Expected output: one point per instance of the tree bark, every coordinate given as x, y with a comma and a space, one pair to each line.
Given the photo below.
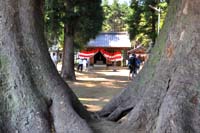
68, 72
33, 97
164, 97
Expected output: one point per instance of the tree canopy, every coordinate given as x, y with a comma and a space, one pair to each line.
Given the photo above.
143, 20
74, 23
54, 14
115, 16
138, 19
85, 16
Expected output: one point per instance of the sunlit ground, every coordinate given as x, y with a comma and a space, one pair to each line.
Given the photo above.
96, 87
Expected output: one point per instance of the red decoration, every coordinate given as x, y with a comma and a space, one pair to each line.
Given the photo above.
116, 56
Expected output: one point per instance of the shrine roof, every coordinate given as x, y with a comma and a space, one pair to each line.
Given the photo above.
111, 39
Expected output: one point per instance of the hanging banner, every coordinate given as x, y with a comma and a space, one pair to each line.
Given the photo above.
87, 54
116, 56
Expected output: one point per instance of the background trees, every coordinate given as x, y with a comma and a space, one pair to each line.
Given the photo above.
81, 25
115, 16
54, 12
143, 20
137, 18
81, 21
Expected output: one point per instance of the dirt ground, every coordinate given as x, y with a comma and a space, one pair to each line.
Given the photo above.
97, 86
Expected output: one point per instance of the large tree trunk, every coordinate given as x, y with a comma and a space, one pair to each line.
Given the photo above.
164, 97
68, 72
33, 97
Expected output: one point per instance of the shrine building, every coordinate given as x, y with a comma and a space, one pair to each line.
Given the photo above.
107, 48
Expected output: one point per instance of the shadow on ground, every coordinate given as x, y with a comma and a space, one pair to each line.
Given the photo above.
97, 86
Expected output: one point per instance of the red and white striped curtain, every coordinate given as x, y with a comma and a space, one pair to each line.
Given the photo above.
87, 54
116, 56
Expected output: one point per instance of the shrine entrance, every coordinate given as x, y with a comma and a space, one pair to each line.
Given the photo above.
99, 59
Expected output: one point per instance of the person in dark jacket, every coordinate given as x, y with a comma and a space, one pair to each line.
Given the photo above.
132, 66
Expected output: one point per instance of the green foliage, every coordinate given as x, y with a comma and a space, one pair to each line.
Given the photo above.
143, 20
54, 13
115, 16
83, 18
89, 22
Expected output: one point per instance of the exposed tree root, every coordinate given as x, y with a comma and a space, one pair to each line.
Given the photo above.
166, 100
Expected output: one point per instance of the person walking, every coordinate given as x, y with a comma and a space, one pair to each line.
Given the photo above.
132, 66
84, 64
80, 65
